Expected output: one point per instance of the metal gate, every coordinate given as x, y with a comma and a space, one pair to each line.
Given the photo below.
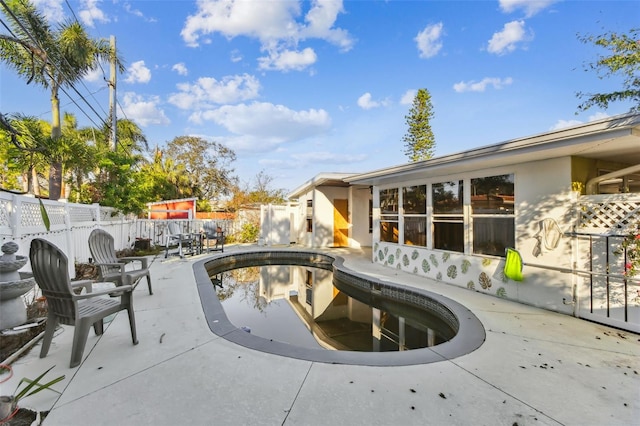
605, 294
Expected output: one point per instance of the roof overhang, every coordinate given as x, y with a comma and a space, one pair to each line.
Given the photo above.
322, 179
615, 139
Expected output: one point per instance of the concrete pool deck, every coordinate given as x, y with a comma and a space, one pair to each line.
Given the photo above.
535, 367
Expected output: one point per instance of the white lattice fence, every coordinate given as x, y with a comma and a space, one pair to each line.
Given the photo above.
604, 214
21, 220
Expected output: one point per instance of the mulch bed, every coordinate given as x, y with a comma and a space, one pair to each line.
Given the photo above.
25, 417
12, 341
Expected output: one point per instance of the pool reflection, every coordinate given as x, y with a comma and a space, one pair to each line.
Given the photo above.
300, 305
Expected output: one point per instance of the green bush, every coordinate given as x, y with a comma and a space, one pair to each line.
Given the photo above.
249, 233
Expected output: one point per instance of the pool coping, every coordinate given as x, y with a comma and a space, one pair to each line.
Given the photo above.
470, 336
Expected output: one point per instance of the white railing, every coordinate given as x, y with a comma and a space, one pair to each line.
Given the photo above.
70, 225
21, 221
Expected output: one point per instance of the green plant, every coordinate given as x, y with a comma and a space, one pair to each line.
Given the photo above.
9, 403
249, 233
31, 384
631, 247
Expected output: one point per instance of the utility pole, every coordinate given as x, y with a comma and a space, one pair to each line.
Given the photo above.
112, 95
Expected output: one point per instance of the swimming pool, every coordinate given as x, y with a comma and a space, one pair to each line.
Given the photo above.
469, 332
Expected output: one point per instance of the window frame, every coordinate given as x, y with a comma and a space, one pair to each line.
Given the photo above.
389, 219
449, 216
499, 214
421, 213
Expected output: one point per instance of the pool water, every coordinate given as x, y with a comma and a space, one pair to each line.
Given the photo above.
301, 306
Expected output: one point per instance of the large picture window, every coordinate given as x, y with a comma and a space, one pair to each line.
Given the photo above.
414, 206
389, 215
492, 214
448, 216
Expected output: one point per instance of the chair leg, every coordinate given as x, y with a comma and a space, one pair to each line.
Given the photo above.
80, 336
98, 327
149, 283
52, 322
132, 324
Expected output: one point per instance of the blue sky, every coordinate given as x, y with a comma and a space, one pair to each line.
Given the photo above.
300, 88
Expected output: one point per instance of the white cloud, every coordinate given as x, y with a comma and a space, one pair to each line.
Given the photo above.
326, 157
598, 116
428, 40
180, 68
138, 73
136, 12
288, 60
408, 97
236, 56
95, 75
366, 102
321, 18
275, 23
480, 86
261, 121
90, 13
562, 124
207, 91
53, 9
530, 7
144, 111
505, 41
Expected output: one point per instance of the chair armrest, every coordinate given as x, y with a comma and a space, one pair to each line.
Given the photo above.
121, 267
87, 284
115, 265
141, 259
108, 292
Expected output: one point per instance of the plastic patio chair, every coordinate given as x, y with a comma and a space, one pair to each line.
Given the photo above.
184, 241
214, 236
112, 268
50, 270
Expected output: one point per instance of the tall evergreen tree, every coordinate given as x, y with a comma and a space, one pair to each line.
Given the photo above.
419, 141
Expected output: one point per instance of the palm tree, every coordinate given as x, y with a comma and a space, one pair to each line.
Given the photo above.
54, 58
27, 156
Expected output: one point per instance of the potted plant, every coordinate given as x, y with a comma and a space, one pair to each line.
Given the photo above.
9, 403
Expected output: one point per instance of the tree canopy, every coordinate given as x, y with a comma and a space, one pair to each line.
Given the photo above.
206, 163
623, 59
53, 57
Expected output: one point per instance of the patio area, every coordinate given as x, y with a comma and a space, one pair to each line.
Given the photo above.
535, 367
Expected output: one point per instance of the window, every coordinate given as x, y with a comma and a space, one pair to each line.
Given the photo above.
492, 214
389, 215
448, 217
309, 215
414, 204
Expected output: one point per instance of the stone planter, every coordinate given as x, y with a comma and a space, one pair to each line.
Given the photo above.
13, 284
8, 407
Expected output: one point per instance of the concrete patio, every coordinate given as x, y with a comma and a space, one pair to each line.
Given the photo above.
535, 367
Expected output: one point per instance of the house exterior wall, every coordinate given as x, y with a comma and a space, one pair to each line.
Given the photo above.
360, 233
542, 191
322, 199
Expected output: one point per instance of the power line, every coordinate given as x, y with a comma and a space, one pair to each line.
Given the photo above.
98, 62
46, 62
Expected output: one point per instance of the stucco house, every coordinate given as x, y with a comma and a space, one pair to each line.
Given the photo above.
563, 200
